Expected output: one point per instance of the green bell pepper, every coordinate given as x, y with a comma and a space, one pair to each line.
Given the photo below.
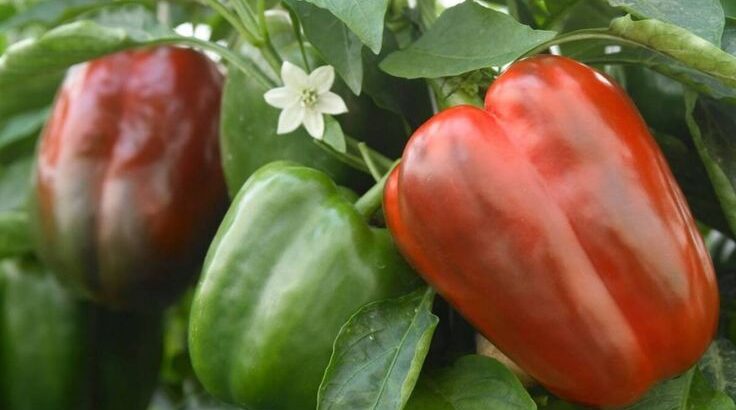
291, 262
61, 354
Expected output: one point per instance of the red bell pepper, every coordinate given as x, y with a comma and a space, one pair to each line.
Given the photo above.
129, 187
552, 222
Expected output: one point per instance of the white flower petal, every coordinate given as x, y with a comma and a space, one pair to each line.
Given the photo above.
322, 78
281, 97
314, 123
294, 77
330, 103
290, 119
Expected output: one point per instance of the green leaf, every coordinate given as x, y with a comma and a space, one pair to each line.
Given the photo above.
693, 179
364, 18
729, 7
702, 17
409, 99
15, 180
334, 136
466, 37
53, 12
30, 70
22, 126
15, 238
712, 125
378, 354
689, 391
248, 138
680, 44
719, 366
472, 382
728, 41
569, 15
663, 47
339, 46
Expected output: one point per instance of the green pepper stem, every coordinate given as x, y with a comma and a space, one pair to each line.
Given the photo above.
371, 201
377, 158
348, 159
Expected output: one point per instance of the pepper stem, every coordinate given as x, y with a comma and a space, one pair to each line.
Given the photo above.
371, 201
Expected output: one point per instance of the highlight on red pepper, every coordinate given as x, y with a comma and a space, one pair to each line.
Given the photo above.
128, 187
552, 222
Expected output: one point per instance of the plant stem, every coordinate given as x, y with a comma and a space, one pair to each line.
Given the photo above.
585, 34
369, 161
232, 19
298, 33
163, 12
234, 58
348, 159
272, 56
378, 158
371, 201
258, 22
248, 18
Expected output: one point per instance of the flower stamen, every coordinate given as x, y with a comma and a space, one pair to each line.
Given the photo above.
309, 97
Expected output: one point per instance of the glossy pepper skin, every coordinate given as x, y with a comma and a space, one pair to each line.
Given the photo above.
62, 354
291, 262
128, 185
551, 221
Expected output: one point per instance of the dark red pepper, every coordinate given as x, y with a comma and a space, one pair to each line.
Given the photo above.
553, 223
129, 188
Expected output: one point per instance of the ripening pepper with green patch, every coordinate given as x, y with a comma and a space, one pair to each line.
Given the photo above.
128, 184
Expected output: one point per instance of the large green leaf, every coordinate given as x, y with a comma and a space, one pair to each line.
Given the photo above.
22, 126
471, 383
729, 7
719, 366
378, 354
693, 179
702, 17
53, 12
680, 44
689, 391
663, 47
728, 41
712, 125
569, 15
31, 69
15, 238
248, 138
14, 183
339, 46
466, 37
364, 18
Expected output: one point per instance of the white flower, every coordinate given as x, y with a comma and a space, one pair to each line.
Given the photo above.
304, 98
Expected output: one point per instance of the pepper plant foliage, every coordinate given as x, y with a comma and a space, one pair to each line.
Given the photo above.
396, 62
